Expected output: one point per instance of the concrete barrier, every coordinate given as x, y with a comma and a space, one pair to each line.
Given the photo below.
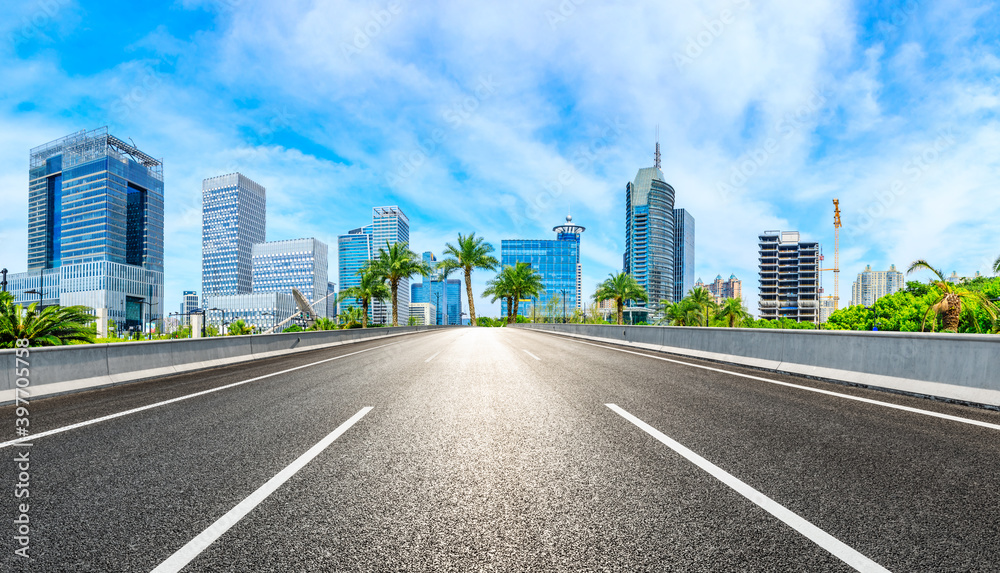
960, 367
61, 369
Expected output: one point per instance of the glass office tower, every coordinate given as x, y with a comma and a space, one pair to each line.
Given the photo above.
446, 296
558, 263
95, 228
233, 220
390, 225
649, 234
683, 253
280, 266
354, 250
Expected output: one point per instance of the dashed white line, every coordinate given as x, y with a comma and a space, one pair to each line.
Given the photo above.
185, 554
180, 398
532, 355
807, 388
432, 356
837, 548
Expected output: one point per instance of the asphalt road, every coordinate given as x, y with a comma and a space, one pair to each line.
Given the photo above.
483, 449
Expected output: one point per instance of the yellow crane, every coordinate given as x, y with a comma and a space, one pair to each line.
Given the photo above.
836, 255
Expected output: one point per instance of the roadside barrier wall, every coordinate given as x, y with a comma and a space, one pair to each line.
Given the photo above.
61, 369
964, 367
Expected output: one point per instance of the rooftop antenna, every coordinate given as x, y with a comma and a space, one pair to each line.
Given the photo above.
656, 158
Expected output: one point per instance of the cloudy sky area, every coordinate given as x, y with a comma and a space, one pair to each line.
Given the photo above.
499, 117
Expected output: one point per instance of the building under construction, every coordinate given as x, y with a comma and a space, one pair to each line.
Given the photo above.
789, 277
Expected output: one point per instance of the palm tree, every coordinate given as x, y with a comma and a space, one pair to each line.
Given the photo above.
52, 326
525, 282
620, 288
471, 253
239, 327
351, 315
952, 298
323, 323
733, 311
501, 286
996, 266
702, 301
394, 263
370, 287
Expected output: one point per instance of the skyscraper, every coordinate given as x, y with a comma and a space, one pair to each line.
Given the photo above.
390, 226
557, 262
683, 253
649, 233
873, 285
189, 302
95, 228
354, 250
789, 277
280, 266
446, 296
233, 220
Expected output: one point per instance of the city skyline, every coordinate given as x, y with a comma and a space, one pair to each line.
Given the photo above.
756, 141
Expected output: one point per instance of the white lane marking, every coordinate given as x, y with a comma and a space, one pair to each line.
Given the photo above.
178, 399
817, 390
432, 356
185, 554
533, 356
837, 548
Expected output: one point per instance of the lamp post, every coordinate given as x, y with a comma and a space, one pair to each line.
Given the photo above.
4, 282
563, 291
150, 304
437, 305
273, 318
222, 327
39, 293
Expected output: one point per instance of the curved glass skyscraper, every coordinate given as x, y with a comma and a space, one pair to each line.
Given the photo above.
649, 234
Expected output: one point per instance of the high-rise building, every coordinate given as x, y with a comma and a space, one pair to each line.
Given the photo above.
873, 285
189, 302
354, 250
789, 277
95, 228
683, 253
557, 262
423, 312
659, 240
233, 220
280, 266
331, 300
259, 310
389, 226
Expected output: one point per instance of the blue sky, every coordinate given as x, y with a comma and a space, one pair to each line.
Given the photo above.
498, 118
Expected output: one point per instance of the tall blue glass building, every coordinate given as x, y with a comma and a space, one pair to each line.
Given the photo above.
558, 263
445, 295
649, 234
683, 253
354, 250
233, 220
95, 228
389, 226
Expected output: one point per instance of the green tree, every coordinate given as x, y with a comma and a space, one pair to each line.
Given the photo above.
470, 252
500, 287
394, 263
352, 317
370, 287
526, 283
703, 302
620, 287
323, 323
51, 326
952, 299
733, 312
238, 327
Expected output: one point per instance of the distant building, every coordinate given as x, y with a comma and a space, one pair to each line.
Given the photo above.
558, 264
424, 312
789, 277
233, 220
721, 290
445, 295
331, 300
354, 250
189, 302
825, 309
95, 229
873, 285
280, 266
258, 310
389, 226
683, 253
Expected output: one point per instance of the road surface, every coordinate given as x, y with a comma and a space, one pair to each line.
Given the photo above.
485, 449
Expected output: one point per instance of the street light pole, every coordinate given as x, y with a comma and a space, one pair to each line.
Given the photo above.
39, 293
563, 291
437, 305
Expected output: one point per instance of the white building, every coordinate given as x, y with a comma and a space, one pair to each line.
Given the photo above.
873, 285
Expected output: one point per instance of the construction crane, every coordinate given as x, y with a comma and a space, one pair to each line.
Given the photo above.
836, 255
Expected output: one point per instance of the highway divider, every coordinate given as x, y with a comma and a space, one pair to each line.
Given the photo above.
959, 367
62, 369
